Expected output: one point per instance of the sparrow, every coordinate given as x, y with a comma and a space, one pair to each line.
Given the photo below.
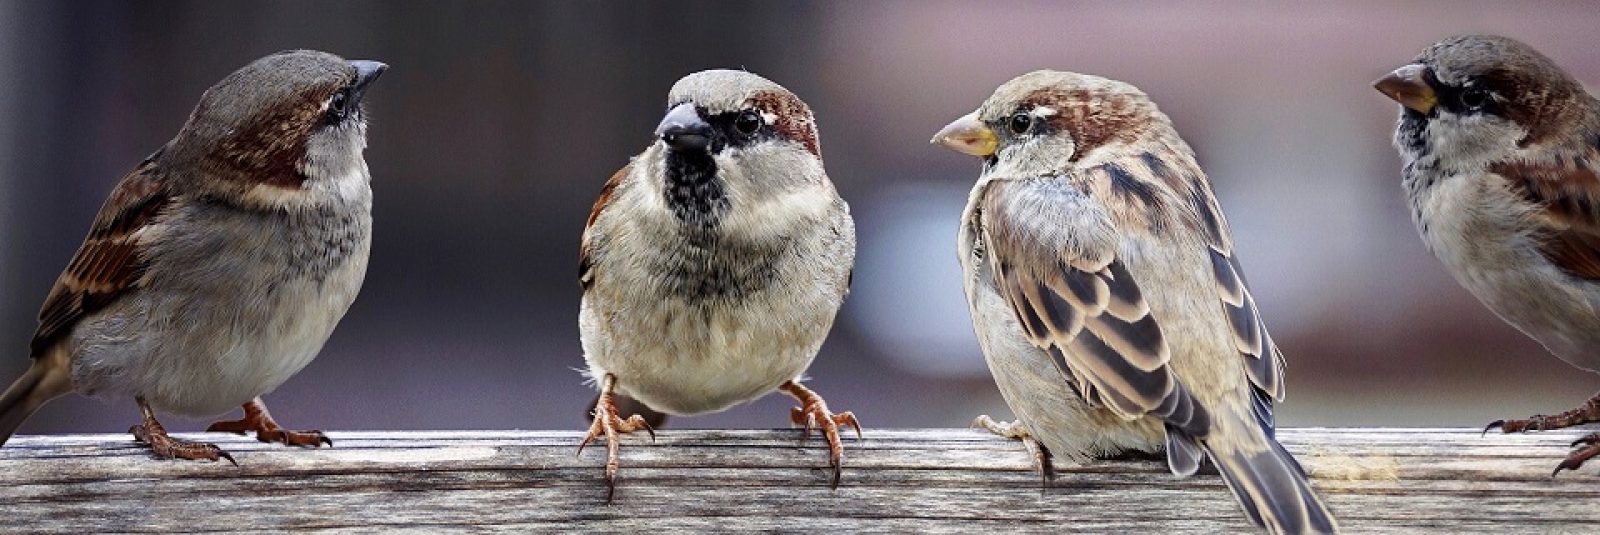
713, 263
218, 267
1107, 298
1501, 168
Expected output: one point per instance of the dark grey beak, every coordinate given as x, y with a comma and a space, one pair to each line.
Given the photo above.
366, 72
683, 129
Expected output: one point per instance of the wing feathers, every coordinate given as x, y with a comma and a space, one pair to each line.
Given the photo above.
585, 273
1125, 303
1263, 361
1090, 316
1569, 190
1139, 342
110, 262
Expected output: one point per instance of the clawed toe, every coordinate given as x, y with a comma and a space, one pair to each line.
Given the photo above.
1589, 412
1016, 431
818, 417
166, 447
1538, 422
258, 420
610, 426
813, 414
312, 439
1587, 448
153, 435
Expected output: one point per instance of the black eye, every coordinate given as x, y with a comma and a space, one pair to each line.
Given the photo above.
747, 123
1020, 123
1474, 98
337, 107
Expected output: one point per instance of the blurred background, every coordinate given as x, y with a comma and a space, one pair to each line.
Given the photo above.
498, 123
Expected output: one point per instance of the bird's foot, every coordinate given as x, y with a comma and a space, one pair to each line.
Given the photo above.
257, 419
164, 446
1584, 449
152, 434
1588, 413
1015, 430
609, 425
813, 413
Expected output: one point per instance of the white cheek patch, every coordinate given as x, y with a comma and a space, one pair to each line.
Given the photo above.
1465, 142
349, 185
271, 196
1036, 156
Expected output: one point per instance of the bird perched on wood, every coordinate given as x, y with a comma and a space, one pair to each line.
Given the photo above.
220, 265
1107, 296
1501, 153
713, 264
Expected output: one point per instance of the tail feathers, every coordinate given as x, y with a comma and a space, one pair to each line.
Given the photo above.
1183, 453
50, 377
1273, 490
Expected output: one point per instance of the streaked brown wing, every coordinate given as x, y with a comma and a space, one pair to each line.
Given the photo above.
585, 278
1263, 361
1087, 311
1568, 187
110, 261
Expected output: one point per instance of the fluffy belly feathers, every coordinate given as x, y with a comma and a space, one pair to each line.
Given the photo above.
687, 359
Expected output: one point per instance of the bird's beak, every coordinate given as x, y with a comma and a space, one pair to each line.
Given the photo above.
366, 72
1408, 85
968, 135
683, 129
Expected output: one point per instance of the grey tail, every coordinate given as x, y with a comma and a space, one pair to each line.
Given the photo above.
48, 378
1273, 489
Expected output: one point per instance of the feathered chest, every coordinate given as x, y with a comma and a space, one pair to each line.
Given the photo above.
1472, 222
701, 264
213, 245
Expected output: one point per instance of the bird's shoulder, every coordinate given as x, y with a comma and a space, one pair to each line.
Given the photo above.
586, 247
1563, 186
111, 261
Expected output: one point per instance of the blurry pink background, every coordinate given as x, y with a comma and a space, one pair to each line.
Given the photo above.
498, 123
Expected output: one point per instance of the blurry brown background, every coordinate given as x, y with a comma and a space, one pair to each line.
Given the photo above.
498, 123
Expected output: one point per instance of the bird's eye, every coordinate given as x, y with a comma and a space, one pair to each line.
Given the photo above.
747, 123
336, 106
1474, 98
1020, 123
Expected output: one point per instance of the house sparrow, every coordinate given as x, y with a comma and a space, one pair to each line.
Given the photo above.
1502, 170
220, 265
713, 263
1106, 296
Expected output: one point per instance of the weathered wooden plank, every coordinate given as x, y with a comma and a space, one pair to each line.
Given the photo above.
940, 480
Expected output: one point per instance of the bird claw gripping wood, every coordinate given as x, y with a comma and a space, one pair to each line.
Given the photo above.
1585, 448
257, 419
1588, 413
812, 414
153, 435
609, 425
1016, 431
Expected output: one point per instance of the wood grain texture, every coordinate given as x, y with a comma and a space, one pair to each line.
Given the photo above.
938, 480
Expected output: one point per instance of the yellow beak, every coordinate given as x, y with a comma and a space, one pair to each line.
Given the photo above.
1409, 86
968, 135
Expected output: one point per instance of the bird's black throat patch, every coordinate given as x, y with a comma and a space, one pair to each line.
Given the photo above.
1411, 133
693, 190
